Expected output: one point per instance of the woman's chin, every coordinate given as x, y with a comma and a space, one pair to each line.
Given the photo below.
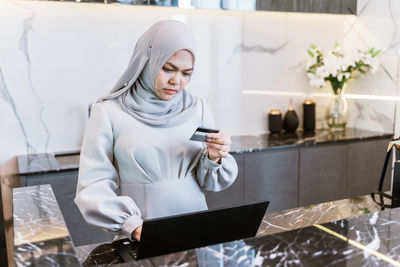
167, 97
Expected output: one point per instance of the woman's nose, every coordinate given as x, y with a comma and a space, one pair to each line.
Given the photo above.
175, 79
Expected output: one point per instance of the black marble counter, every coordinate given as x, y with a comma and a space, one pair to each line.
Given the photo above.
49, 162
360, 235
260, 142
366, 240
277, 241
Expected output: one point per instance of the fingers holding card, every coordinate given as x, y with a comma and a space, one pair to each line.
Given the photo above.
218, 143
200, 134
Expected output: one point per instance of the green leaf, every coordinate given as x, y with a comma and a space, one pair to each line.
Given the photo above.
376, 53
370, 51
311, 71
313, 46
336, 44
310, 53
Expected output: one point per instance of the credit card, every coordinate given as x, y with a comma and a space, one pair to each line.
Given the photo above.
200, 134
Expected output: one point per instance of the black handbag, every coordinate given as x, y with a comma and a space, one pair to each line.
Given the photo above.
382, 195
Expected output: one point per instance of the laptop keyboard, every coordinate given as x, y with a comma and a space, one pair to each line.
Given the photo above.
132, 252
126, 249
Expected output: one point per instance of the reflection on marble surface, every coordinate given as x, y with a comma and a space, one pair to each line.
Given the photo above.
47, 162
36, 163
40, 234
291, 219
249, 143
366, 240
41, 237
243, 253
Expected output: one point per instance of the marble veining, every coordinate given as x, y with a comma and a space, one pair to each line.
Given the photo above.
24, 47
251, 143
395, 36
360, 234
291, 219
47, 162
38, 163
393, 43
366, 240
38, 216
251, 252
242, 48
23, 41
361, 11
9, 99
40, 234
359, 14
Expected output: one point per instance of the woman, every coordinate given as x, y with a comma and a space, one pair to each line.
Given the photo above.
137, 161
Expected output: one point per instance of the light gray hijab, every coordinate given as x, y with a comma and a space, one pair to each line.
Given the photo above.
135, 89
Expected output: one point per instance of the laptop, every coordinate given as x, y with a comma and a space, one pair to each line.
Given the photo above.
192, 230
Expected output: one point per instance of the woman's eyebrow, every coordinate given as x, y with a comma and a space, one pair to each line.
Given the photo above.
176, 68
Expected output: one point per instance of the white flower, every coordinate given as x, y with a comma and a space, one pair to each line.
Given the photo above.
322, 72
337, 50
374, 65
335, 67
332, 64
347, 62
316, 80
367, 59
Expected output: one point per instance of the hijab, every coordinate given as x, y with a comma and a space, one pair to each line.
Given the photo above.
135, 89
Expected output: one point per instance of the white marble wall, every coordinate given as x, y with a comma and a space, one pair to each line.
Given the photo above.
57, 57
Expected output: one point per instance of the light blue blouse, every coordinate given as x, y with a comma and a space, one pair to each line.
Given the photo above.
130, 171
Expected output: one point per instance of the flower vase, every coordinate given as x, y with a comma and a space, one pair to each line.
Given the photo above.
337, 111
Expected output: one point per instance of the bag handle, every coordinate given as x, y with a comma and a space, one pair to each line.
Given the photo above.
380, 193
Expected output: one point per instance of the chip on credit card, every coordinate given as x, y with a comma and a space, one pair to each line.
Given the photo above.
200, 134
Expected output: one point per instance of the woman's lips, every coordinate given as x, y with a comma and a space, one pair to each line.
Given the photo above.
170, 91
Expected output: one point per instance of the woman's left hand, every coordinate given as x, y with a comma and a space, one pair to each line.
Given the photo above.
219, 145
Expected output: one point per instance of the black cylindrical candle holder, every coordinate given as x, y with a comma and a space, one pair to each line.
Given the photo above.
309, 115
275, 121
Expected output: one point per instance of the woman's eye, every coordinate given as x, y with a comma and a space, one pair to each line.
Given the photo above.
186, 74
167, 70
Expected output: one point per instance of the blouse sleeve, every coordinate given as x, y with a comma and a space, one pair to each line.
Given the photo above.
98, 181
211, 175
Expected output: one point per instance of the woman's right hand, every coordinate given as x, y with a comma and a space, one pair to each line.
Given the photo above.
137, 233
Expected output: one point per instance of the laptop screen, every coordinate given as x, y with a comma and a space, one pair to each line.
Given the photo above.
192, 230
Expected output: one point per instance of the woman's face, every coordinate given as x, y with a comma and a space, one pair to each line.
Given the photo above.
174, 75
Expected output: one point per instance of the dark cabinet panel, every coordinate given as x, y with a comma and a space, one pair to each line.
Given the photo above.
272, 176
64, 188
289, 178
322, 174
233, 195
364, 166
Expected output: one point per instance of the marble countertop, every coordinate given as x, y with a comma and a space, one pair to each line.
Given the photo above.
274, 226
49, 162
40, 234
260, 142
348, 232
